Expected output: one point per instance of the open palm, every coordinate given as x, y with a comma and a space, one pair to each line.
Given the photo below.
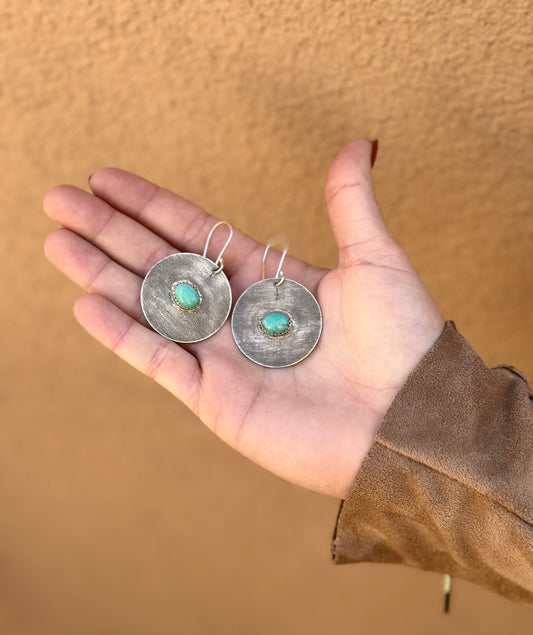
311, 423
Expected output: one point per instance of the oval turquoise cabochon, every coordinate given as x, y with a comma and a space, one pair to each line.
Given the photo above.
276, 323
186, 296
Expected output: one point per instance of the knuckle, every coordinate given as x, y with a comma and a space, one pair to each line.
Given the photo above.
332, 192
156, 361
375, 253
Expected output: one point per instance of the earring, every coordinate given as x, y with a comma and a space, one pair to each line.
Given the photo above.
186, 297
276, 322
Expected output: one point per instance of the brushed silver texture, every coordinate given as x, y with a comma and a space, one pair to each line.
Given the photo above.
264, 297
164, 314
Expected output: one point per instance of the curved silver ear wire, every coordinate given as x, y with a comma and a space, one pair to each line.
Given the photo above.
280, 278
218, 262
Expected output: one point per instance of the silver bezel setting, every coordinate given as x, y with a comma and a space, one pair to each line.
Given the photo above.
271, 334
173, 297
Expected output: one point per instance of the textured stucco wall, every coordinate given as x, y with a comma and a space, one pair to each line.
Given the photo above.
119, 512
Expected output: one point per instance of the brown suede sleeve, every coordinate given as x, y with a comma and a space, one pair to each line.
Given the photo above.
448, 484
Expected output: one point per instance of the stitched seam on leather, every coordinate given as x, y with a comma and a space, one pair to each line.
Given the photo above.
453, 478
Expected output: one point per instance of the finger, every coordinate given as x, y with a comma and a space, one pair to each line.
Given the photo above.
167, 363
94, 271
186, 225
354, 213
176, 219
121, 237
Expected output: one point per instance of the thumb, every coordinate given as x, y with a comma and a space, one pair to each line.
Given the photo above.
353, 210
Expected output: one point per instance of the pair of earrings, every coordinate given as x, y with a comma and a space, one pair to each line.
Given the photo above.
186, 298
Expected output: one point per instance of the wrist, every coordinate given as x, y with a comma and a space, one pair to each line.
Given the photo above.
378, 403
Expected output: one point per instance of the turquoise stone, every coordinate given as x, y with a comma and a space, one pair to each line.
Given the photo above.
276, 323
186, 296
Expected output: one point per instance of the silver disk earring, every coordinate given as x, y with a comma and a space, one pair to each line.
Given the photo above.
276, 322
186, 297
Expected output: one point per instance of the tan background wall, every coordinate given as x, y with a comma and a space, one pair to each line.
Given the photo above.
119, 513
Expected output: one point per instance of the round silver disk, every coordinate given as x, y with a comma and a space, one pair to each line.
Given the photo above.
166, 316
276, 351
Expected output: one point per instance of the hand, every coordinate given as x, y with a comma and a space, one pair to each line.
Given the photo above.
312, 423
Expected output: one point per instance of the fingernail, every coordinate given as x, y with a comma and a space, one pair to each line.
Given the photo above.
90, 177
374, 152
